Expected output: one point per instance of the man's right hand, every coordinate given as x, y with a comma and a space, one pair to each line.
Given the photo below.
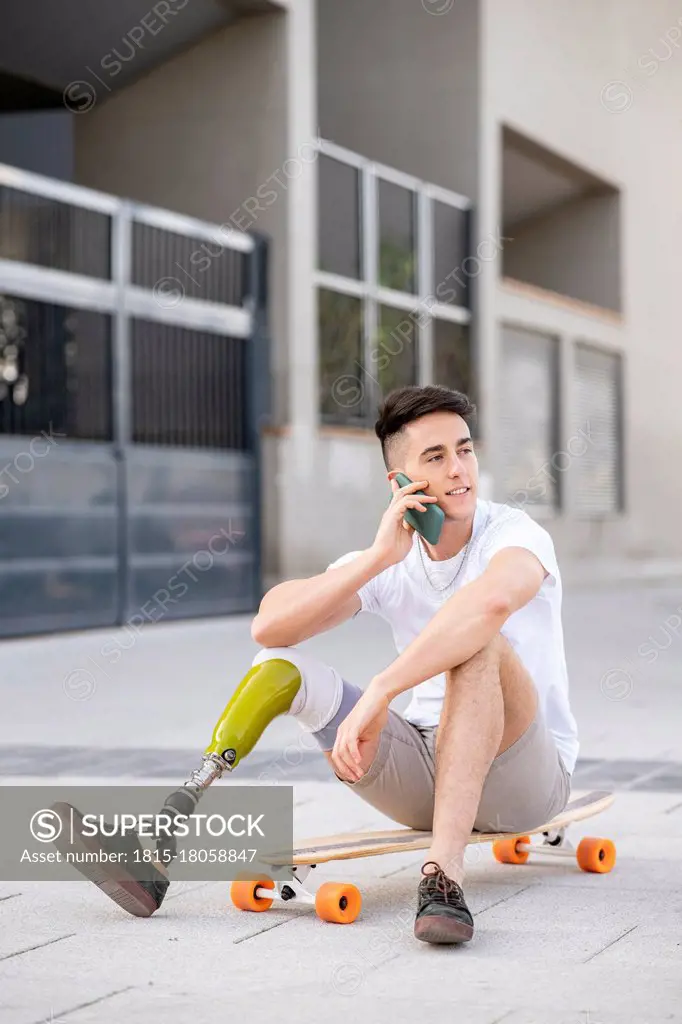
394, 536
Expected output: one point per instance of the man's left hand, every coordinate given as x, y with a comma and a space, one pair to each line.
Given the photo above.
358, 734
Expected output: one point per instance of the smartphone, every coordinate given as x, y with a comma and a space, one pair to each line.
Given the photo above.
429, 523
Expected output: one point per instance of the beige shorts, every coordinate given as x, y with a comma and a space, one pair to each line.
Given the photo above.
525, 787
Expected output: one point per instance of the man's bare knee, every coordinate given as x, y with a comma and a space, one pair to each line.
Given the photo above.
496, 664
491, 653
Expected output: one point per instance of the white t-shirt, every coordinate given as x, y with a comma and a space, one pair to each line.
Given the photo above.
404, 598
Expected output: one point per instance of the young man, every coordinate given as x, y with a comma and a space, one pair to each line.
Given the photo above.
488, 740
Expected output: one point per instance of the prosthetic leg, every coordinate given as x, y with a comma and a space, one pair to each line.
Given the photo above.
267, 690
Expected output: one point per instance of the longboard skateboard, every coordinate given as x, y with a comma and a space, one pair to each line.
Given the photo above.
341, 902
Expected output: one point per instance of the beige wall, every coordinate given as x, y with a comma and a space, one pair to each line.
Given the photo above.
573, 250
549, 72
400, 85
337, 497
199, 135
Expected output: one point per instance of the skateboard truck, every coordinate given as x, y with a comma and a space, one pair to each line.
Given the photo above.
286, 891
554, 843
334, 901
555, 837
592, 854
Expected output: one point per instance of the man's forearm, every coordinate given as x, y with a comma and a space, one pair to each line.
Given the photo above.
462, 627
295, 608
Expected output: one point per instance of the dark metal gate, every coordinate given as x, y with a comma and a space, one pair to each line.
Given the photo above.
133, 381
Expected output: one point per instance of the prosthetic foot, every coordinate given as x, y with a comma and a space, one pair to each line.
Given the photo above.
114, 863
266, 691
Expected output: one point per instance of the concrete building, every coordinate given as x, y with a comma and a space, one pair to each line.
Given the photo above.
482, 194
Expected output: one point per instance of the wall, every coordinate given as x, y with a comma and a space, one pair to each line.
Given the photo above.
199, 135
599, 84
400, 85
573, 250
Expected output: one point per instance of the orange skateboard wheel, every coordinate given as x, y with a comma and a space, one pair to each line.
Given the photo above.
596, 854
338, 902
506, 851
243, 894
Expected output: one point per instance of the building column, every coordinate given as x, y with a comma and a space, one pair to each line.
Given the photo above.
296, 477
302, 236
488, 226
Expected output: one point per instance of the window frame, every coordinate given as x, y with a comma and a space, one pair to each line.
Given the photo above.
367, 288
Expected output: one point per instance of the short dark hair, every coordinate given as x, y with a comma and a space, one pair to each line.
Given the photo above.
403, 405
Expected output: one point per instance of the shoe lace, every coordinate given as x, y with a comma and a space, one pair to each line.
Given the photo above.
439, 886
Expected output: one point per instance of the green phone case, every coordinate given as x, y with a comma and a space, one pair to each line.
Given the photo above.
429, 523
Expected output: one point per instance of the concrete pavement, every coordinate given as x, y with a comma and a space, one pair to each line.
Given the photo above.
551, 943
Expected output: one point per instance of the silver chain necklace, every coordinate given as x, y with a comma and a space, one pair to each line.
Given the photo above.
455, 577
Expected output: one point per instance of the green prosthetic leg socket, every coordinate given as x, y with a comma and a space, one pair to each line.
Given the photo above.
267, 690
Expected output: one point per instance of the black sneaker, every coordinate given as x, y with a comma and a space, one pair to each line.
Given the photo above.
137, 886
442, 914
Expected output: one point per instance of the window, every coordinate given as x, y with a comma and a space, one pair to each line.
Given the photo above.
386, 244
342, 389
339, 218
397, 238
395, 354
452, 356
529, 418
598, 417
450, 249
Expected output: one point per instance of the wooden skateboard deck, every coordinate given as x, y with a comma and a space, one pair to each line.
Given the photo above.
349, 845
342, 902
